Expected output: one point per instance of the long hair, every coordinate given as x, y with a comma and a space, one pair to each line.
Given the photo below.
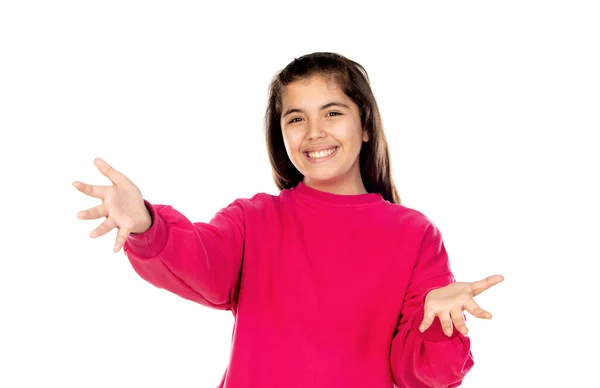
375, 168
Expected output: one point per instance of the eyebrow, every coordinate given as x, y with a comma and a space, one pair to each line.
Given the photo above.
328, 105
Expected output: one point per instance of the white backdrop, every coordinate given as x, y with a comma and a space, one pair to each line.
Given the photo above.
490, 109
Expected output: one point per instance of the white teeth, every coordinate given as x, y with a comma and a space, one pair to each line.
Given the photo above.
321, 154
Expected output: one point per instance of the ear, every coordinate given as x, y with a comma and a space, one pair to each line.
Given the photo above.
365, 136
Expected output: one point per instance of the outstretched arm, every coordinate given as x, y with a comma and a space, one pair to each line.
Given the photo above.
430, 348
197, 261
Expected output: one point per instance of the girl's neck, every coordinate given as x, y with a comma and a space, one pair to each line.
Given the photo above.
337, 196
337, 186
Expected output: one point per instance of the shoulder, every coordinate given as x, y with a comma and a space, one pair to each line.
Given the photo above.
258, 202
411, 226
407, 216
244, 209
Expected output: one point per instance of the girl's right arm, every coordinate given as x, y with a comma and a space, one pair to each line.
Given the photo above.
195, 260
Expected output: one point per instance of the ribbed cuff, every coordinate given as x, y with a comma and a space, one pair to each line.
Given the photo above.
150, 243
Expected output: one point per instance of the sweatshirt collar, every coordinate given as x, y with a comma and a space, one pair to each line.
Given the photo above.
337, 199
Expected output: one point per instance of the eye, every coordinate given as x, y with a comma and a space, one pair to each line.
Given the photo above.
336, 113
292, 120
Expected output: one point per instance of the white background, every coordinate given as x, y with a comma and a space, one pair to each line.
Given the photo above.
490, 109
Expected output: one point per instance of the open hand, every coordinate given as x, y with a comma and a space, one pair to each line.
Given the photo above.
122, 205
448, 304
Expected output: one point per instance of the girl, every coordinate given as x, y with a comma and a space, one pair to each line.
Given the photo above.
332, 282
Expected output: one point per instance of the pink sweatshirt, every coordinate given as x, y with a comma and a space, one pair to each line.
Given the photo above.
326, 290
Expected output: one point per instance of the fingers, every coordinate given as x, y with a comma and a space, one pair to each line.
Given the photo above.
428, 318
121, 238
446, 322
115, 176
473, 308
458, 320
482, 285
93, 213
104, 228
92, 191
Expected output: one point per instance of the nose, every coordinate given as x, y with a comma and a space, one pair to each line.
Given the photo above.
315, 130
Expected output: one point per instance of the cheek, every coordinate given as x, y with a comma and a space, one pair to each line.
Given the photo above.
348, 134
292, 142
292, 138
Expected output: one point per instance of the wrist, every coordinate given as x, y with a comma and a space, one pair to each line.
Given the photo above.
145, 224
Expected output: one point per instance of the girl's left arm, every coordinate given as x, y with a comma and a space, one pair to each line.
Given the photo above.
428, 359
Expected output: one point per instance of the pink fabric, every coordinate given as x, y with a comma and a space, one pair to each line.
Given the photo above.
326, 290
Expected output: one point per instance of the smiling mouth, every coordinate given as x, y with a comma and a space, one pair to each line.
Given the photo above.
322, 154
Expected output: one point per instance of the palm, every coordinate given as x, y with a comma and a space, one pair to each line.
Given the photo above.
448, 304
459, 292
122, 205
120, 199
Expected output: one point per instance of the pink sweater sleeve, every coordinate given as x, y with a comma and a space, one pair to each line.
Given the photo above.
429, 359
197, 261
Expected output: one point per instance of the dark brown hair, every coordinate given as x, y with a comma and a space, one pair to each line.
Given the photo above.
352, 78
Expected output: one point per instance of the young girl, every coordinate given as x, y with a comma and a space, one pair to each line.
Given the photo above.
332, 282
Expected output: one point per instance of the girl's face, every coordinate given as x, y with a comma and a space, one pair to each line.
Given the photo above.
323, 135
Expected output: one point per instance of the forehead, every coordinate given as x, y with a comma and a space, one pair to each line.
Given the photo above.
312, 91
